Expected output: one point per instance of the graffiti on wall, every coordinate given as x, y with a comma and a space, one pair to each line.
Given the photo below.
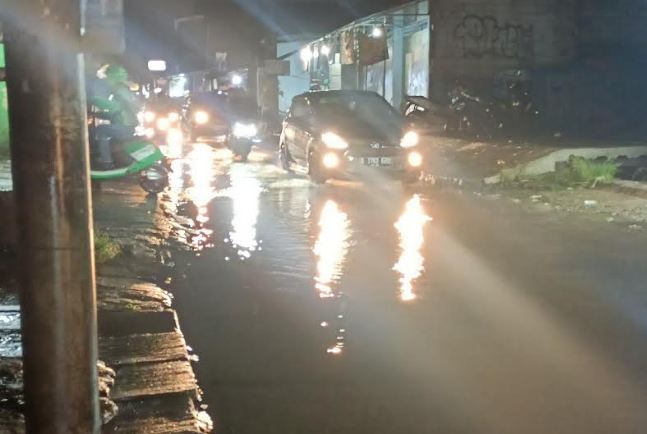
482, 36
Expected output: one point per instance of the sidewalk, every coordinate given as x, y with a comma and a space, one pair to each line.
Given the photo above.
480, 167
148, 381
484, 162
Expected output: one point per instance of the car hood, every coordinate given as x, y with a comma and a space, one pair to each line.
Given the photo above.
360, 131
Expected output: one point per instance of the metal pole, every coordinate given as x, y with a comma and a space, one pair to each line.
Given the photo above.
49, 153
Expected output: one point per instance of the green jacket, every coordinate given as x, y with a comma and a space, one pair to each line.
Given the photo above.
121, 107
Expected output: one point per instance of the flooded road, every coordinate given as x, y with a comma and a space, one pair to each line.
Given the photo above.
355, 308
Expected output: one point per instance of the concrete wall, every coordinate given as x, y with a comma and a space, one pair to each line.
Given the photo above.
298, 81
474, 40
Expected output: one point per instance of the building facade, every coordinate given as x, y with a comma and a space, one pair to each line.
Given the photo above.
580, 61
388, 53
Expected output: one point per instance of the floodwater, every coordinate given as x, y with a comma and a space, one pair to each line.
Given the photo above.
366, 307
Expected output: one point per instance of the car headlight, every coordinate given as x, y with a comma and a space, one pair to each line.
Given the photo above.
149, 116
163, 124
173, 117
244, 131
333, 141
415, 159
330, 160
410, 140
201, 117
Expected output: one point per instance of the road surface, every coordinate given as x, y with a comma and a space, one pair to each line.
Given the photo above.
356, 308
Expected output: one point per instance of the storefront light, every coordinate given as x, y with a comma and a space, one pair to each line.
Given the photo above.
306, 55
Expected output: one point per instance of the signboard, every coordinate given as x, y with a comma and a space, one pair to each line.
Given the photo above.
104, 29
157, 65
372, 50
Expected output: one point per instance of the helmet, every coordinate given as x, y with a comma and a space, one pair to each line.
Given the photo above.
116, 74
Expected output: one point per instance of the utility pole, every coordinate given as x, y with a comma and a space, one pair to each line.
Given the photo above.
49, 150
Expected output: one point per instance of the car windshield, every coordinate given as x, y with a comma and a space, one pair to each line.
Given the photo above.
242, 107
210, 100
367, 108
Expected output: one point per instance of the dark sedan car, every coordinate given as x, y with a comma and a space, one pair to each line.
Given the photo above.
207, 117
348, 133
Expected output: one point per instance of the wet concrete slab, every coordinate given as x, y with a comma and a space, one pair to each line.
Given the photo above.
125, 323
144, 348
155, 387
170, 414
120, 294
141, 380
148, 371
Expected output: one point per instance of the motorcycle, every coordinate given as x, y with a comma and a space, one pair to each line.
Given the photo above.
135, 156
242, 139
146, 160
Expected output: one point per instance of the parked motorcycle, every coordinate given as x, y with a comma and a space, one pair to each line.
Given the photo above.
469, 115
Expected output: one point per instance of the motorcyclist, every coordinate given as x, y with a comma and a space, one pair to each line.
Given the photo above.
117, 104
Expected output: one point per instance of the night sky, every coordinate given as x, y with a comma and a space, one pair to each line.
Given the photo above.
242, 23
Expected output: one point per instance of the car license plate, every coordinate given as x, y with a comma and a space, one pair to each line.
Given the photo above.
378, 161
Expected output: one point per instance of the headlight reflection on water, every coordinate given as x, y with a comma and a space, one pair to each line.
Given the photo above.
411, 227
331, 248
201, 161
245, 193
202, 191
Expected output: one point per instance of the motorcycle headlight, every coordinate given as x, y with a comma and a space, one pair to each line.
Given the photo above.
333, 141
244, 131
410, 140
201, 117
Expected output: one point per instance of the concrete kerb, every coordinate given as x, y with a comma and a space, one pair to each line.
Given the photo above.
631, 188
547, 163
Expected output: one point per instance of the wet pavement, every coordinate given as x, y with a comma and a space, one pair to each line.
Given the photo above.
355, 308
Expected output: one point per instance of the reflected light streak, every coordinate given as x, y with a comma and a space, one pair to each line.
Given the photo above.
245, 193
202, 191
174, 143
331, 248
201, 161
411, 263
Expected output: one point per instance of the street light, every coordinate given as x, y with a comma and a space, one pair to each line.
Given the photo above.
377, 32
236, 80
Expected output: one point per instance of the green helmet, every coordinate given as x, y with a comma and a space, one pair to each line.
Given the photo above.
116, 74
